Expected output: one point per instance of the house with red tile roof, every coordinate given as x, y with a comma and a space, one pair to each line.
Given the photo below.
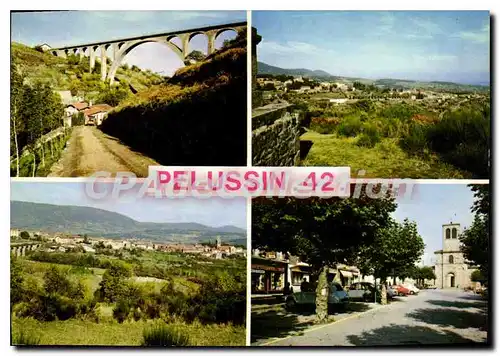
96, 113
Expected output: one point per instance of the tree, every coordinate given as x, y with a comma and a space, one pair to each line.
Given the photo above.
112, 286
16, 281
423, 273
322, 232
395, 249
475, 239
73, 59
24, 235
113, 96
16, 94
195, 56
477, 276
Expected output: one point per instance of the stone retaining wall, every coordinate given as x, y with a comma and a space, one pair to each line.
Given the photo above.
275, 136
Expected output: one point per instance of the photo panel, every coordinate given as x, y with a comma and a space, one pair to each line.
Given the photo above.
391, 94
119, 91
393, 266
129, 270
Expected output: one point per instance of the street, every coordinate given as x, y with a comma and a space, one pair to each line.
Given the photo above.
89, 150
432, 317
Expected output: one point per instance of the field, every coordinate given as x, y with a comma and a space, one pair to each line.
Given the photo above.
397, 138
117, 298
385, 159
82, 332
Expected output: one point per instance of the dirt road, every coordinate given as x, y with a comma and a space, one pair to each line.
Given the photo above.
89, 151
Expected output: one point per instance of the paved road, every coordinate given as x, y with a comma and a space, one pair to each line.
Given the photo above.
433, 317
89, 151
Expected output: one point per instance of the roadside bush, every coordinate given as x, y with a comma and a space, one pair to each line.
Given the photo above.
164, 335
368, 139
350, 126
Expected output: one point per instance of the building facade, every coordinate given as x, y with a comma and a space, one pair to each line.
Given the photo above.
451, 269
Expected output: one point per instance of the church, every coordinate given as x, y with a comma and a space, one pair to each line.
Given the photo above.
451, 269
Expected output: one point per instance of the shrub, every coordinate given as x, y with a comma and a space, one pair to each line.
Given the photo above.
324, 125
164, 335
25, 338
399, 111
415, 141
121, 310
350, 126
16, 282
367, 140
78, 119
462, 138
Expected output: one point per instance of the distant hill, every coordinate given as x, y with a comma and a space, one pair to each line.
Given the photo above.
104, 223
264, 68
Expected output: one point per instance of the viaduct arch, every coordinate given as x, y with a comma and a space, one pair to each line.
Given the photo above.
21, 249
121, 47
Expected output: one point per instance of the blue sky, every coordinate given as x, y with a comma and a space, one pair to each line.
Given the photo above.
212, 212
434, 205
78, 27
432, 45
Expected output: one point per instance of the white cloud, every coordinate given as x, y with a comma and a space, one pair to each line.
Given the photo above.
291, 47
444, 58
418, 36
480, 36
426, 26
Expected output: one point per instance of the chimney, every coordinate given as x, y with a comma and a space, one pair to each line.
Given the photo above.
90, 103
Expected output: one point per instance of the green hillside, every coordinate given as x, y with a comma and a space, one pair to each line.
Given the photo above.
197, 117
73, 74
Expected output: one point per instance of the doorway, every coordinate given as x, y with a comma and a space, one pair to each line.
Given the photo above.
452, 280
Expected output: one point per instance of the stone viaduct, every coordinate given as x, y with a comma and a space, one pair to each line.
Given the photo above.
121, 47
20, 249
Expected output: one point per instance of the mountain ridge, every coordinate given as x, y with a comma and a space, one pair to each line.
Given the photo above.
264, 68
96, 221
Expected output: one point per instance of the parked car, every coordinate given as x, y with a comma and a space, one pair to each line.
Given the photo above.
337, 297
391, 292
411, 288
402, 290
362, 291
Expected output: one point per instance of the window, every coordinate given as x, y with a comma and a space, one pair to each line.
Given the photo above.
454, 233
447, 233
450, 259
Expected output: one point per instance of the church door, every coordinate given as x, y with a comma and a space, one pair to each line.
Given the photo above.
452, 281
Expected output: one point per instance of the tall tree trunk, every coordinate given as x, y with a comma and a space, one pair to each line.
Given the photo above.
42, 143
34, 162
322, 292
383, 292
43, 155
51, 149
17, 145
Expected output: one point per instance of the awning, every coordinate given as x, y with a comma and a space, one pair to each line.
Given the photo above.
346, 274
259, 271
300, 269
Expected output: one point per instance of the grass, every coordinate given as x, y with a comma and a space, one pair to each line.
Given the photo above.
83, 332
385, 160
163, 334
